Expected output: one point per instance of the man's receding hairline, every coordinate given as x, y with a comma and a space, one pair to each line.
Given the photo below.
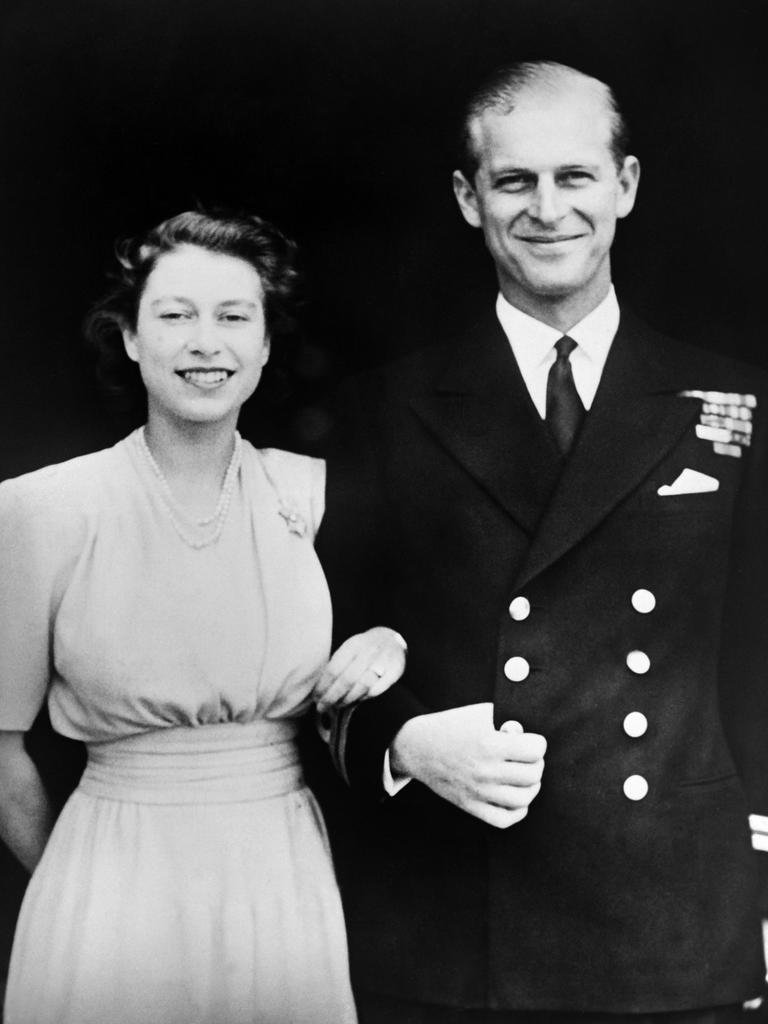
504, 90
547, 79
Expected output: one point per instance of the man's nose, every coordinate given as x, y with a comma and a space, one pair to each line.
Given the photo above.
547, 205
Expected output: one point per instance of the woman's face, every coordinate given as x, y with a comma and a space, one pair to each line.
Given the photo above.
200, 338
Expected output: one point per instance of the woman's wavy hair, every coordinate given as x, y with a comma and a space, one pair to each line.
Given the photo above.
244, 236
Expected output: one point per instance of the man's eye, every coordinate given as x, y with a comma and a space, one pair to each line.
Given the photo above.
513, 183
576, 177
235, 318
174, 315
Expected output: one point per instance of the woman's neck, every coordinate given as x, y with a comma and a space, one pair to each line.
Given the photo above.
193, 458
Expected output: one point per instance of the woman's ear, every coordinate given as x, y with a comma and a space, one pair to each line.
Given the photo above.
129, 341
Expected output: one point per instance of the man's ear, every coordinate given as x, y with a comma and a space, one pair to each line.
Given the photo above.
629, 179
466, 197
266, 350
129, 343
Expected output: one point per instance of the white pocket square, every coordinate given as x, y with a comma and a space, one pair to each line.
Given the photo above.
690, 481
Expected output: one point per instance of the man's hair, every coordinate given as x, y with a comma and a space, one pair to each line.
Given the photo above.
500, 93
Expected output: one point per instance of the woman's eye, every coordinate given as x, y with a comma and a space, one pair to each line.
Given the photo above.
174, 315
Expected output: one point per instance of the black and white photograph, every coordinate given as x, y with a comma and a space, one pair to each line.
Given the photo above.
383, 512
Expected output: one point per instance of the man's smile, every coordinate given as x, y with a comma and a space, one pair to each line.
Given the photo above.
547, 239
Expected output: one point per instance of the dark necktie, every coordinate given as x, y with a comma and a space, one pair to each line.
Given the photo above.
564, 409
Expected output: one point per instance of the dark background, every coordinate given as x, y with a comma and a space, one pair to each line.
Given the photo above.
335, 118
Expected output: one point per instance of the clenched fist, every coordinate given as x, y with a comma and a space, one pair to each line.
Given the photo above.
492, 774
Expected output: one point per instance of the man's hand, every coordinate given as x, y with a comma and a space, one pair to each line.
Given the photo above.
491, 774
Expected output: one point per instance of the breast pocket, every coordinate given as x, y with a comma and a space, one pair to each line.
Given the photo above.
711, 503
696, 487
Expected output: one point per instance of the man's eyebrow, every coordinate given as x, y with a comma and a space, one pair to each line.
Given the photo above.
502, 169
578, 166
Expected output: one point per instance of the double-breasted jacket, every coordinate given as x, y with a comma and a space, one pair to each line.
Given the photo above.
615, 602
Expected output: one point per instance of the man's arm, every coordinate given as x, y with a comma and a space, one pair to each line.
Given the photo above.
355, 547
457, 753
744, 665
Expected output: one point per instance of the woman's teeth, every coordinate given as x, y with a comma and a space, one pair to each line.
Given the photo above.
208, 377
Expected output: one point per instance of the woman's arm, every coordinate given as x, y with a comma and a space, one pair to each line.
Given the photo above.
26, 814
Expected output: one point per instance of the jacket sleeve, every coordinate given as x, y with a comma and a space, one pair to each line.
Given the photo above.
744, 638
355, 546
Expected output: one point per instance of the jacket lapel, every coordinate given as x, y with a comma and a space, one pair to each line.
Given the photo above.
480, 411
637, 417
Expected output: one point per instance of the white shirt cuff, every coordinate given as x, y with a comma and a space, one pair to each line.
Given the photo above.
391, 785
759, 825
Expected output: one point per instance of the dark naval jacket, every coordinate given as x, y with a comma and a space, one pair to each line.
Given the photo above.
615, 602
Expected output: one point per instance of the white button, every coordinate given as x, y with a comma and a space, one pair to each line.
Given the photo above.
516, 669
520, 608
643, 601
635, 787
635, 724
638, 662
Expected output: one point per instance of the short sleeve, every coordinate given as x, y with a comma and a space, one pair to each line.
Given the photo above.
317, 492
26, 586
299, 482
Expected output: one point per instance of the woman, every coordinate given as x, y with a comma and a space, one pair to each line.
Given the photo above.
165, 596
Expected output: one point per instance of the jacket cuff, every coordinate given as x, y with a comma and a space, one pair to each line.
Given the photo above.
369, 730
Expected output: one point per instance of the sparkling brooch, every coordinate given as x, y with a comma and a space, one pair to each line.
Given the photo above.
294, 520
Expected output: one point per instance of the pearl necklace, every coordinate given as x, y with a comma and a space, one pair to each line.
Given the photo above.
176, 513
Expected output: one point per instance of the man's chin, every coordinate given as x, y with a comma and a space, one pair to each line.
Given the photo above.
555, 287
565, 280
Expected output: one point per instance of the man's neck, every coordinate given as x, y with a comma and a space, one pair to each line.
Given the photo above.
562, 312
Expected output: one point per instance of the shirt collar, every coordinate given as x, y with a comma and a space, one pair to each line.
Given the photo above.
532, 341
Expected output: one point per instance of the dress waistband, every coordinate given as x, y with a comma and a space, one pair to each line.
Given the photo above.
222, 763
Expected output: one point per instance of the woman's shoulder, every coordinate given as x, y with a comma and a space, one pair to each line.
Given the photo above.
287, 464
284, 466
56, 489
298, 480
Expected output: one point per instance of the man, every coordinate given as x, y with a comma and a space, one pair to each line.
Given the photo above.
563, 512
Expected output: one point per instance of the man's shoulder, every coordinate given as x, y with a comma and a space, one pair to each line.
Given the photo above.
410, 370
445, 346
479, 340
702, 368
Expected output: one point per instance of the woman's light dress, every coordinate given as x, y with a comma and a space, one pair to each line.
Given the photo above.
188, 879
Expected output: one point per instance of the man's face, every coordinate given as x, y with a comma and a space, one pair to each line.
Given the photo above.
547, 194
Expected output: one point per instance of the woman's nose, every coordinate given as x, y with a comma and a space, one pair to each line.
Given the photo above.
205, 338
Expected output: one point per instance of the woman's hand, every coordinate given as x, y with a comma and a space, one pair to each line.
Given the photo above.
364, 666
26, 815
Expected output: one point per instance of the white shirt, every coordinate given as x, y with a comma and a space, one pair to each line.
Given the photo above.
533, 346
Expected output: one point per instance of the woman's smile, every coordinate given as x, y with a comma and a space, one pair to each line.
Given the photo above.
205, 379
201, 324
